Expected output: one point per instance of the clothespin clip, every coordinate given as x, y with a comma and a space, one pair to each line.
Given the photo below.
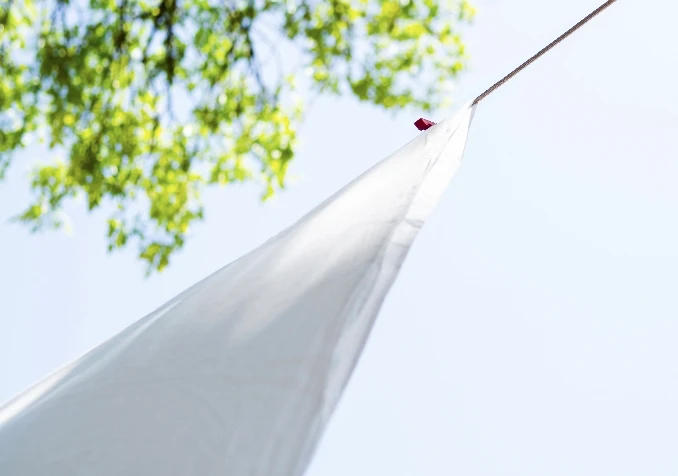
423, 124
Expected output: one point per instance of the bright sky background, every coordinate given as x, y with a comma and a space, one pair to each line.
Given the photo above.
534, 327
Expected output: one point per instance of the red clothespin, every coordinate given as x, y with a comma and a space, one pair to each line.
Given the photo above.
423, 124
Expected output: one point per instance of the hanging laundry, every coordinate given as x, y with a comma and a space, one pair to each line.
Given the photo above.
239, 374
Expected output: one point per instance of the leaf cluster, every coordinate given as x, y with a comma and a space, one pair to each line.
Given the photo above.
151, 101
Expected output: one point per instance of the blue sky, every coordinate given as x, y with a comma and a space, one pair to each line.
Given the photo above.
532, 329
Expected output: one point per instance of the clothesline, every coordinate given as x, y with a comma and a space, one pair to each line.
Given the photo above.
546, 49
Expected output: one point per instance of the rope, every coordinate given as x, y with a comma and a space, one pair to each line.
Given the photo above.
499, 83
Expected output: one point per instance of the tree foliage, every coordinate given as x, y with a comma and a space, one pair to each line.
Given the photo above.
99, 80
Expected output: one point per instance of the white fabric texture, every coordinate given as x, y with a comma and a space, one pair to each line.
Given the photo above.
239, 374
